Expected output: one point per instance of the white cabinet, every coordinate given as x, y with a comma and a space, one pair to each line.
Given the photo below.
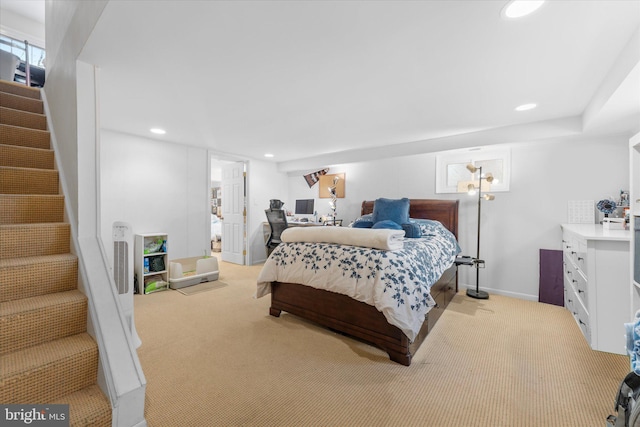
151, 262
596, 283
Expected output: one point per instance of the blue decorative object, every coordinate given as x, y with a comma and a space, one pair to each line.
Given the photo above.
606, 206
394, 210
633, 342
411, 230
362, 223
387, 223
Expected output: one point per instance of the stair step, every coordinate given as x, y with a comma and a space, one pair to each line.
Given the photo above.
15, 180
24, 137
27, 240
32, 276
23, 321
87, 407
19, 89
18, 102
45, 372
26, 157
10, 116
31, 208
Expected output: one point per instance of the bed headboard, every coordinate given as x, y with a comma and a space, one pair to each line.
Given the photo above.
445, 211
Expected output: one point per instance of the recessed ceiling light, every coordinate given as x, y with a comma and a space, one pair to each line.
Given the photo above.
269, 155
525, 107
519, 8
157, 131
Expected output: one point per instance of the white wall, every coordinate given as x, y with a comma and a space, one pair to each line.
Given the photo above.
265, 183
22, 28
544, 177
156, 187
163, 187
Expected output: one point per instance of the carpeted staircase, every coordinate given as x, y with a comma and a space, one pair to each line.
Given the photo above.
46, 354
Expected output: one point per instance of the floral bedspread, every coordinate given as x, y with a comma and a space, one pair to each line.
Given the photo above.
397, 282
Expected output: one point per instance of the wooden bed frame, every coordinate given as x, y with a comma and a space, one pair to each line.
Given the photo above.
357, 319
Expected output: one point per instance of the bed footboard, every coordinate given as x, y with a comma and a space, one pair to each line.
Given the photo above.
357, 319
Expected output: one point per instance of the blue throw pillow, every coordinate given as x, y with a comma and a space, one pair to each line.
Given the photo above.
362, 223
390, 209
412, 230
387, 224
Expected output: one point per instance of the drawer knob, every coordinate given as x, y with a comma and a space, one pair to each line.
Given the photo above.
580, 258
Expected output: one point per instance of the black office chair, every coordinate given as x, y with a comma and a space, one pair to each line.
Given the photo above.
278, 223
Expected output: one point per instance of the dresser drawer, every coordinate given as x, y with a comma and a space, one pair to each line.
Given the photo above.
575, 250
574, 278
578, 283
574, 305
582, 318
568, 264
569, 299
579, 256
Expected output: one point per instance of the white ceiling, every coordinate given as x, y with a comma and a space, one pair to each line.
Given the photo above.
348, 80
32, 9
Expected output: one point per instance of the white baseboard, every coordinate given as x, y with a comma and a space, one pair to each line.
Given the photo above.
517, 295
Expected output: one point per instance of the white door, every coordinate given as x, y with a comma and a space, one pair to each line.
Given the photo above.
233, 213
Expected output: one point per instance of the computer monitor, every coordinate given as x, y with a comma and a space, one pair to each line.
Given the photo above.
304, 207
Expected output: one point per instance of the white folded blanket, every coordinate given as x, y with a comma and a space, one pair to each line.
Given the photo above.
379, 238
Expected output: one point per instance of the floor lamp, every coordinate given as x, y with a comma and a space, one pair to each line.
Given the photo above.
477, 293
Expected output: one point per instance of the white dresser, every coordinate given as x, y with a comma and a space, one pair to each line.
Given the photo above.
596, 283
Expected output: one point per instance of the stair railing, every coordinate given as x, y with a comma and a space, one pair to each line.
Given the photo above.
27, 67
17, 44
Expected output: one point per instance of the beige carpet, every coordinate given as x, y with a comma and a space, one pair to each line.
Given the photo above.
221, 360
201, 287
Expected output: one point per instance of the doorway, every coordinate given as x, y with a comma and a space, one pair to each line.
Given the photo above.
227, 203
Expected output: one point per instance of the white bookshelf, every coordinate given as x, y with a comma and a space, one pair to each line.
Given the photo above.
151, 262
